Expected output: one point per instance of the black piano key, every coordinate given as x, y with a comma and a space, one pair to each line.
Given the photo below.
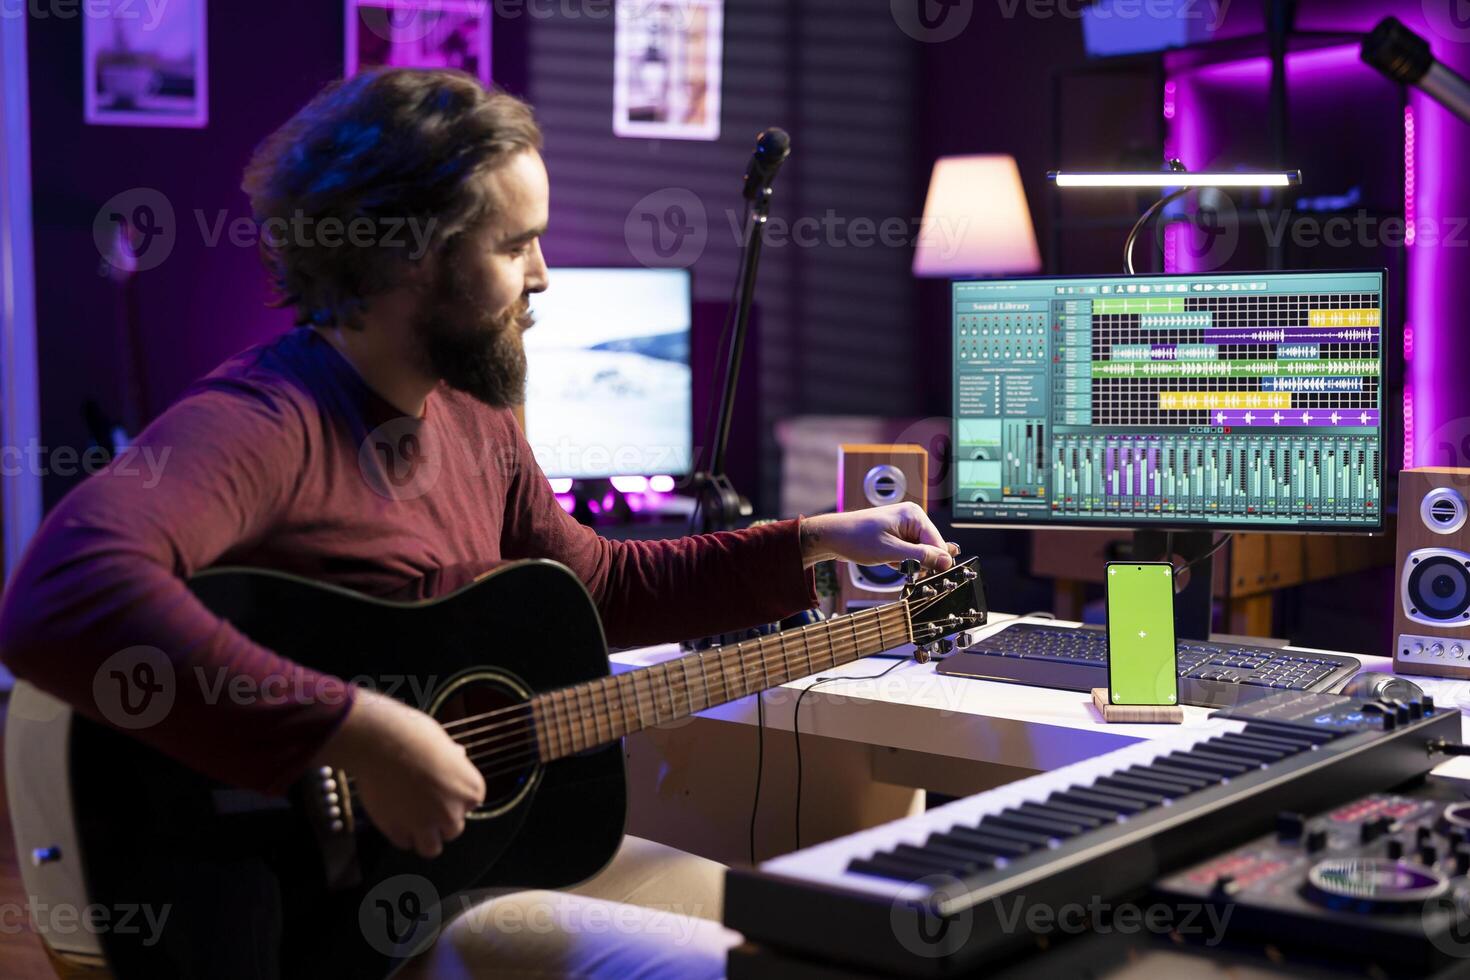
1144, 796
1214, 747
1167, 769
951, 847
1292, 745
1170, 790
999, 846
995, 828
1097, 798
957, 863
1188, 760
1263, 752
1020, 820
1217, 754
1043, 811
1091, 815
1274, 730
886, 865
1194, 780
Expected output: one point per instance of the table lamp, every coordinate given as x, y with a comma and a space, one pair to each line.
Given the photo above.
976, 220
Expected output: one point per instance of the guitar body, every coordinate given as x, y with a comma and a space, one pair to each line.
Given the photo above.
255, 887
172, 874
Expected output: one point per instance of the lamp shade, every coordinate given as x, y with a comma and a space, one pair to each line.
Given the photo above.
976, 220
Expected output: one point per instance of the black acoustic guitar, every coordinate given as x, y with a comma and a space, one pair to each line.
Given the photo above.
226, 883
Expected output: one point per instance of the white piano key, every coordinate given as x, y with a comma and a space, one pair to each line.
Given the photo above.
826, 864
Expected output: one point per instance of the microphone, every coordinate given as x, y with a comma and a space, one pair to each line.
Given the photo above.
772, 148
1405, 57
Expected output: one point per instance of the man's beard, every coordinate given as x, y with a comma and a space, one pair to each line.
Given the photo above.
478, 353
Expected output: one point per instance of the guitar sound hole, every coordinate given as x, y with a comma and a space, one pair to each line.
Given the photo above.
493, 721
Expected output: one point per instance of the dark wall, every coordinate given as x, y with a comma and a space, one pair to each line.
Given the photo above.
202, 303
837, 319
837, 316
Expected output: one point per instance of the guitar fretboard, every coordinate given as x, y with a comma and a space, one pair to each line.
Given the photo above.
574, 719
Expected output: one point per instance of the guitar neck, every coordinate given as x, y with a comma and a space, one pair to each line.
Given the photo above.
574, 719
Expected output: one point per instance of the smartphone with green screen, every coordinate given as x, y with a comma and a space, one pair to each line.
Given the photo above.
1141, 655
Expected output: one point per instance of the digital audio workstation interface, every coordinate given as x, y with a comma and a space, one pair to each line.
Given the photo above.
1252, 399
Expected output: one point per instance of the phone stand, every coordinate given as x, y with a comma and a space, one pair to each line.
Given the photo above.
1159, 714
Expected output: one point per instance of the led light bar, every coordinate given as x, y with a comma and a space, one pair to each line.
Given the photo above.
1174, 178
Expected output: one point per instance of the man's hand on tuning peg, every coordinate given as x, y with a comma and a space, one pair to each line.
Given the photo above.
877, 536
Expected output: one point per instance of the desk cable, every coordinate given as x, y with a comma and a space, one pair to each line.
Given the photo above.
796, 731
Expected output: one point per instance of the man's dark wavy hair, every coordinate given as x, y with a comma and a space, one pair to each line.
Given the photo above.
392, 145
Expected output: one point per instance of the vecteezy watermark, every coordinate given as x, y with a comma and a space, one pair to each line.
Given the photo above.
1363, 230
544, 912
137, 230
670, 228
565, 456
38, 460
400, 916
932, 21
135, 687
929, 928
923, 928
150, 12
1446, 921
1449, 19
1212, 12
401, 459
63, 919
222, 685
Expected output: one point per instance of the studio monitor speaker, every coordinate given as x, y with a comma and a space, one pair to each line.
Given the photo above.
1432, 601
875, 476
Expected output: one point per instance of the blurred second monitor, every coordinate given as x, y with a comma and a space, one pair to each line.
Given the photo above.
608, 385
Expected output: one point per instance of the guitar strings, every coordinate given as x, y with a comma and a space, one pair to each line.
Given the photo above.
576, 729
523, 755
919, 606
681, 687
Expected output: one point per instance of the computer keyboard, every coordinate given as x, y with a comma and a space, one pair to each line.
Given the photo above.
1211, 675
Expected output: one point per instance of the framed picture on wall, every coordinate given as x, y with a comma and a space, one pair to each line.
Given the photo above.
419, 34
145, 64
666, 69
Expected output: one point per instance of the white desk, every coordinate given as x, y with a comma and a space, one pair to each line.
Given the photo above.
916, 708
913, 727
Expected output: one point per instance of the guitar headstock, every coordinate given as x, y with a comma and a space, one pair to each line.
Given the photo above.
944, 604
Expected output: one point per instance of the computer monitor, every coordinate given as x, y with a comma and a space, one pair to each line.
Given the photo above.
1240, 402
608, 379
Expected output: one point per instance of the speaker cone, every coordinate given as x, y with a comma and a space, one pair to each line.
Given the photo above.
1436, 587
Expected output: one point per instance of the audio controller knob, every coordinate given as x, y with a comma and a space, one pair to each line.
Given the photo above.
1395, 848
1289, 826
1316, 840
1436, 649
1428, 853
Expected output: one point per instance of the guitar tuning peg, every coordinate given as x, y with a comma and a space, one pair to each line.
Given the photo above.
924, 653
945, 646
970, 574
910, 568
964, 640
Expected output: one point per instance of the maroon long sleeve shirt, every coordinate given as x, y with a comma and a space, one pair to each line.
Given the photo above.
284, 458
